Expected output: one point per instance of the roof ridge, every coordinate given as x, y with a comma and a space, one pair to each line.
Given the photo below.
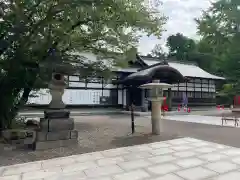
169, 60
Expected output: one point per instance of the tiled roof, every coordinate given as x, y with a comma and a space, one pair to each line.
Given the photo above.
187, 70
193, 71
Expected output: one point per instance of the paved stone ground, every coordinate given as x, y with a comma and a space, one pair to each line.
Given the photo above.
213, 120
97, 133
179, 159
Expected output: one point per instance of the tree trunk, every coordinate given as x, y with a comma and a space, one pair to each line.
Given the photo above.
6, 105
9, 103
19, 104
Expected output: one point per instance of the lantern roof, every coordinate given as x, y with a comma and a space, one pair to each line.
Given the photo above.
163, 72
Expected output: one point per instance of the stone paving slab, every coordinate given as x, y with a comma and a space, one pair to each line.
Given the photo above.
178, 159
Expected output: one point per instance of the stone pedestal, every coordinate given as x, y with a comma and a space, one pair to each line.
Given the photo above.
55, 125
56, 132
56, 128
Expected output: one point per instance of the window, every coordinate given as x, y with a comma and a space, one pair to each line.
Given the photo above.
198, 89
205, 95
176, 94
74, 78
204, 81
205, 85
191, 81
182, 88
190, 94
212, 82
95, 80
182, 84
76, 84
197, 94
198, 81
197, 84
190, 85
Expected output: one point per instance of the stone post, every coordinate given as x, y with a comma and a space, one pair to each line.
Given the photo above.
156, 114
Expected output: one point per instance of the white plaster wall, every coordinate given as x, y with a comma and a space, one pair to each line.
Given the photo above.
42, 97
71, 97
91, 85
120, 99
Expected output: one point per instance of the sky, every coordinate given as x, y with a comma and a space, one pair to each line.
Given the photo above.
181, 14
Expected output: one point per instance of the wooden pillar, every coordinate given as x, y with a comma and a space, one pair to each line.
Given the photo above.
102, 85
201, 90
178, 95
186, 91
194, 90
131, 106
123, 96
117, 91
143, 102
169, 99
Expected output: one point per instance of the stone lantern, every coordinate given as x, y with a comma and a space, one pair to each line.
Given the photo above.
57, 128
153, 73
156, 98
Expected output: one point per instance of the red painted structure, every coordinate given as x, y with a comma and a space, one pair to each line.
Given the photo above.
236, 101
164, 105
220, 107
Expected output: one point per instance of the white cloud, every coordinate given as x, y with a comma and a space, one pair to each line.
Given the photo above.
181, 14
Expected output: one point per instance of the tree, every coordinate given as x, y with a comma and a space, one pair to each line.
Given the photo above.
180, 46
158, 52
219, 26
203, 56
35, 34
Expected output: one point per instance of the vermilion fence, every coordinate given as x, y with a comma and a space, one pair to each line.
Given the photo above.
236, 101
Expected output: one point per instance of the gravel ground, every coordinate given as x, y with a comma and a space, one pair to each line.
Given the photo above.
95, 133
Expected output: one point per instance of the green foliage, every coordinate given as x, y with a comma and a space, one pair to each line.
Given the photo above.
219, 26
184, 49
180, 46
35, 35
